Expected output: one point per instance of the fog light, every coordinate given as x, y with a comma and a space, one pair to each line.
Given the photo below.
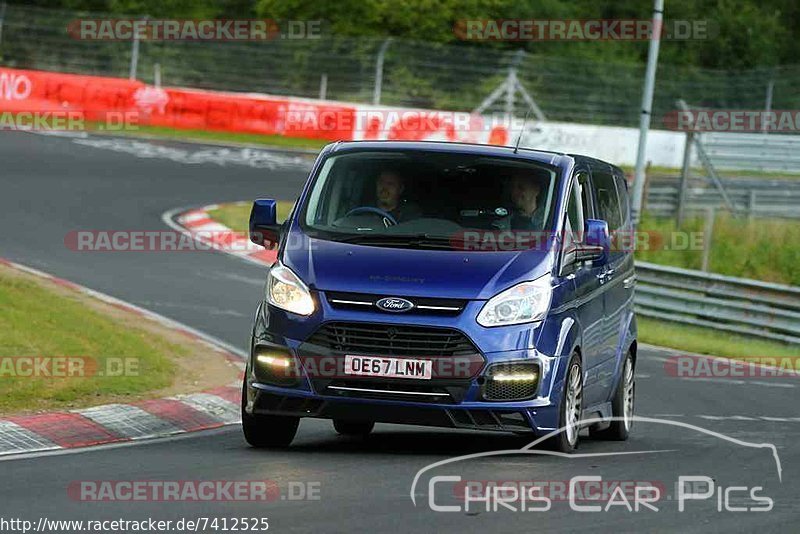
274, 361
511, 381
274, 357
519, 377
274, 365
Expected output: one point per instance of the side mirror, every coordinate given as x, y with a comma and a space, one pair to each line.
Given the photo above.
264, 227
596, 241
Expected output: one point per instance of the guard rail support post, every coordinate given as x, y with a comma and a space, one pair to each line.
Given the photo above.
685, 170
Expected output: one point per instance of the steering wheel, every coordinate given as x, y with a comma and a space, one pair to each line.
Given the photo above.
385, 215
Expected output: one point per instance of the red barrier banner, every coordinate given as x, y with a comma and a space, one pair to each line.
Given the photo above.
96, 98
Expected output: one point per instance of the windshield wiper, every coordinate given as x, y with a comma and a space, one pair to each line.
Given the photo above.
404, 240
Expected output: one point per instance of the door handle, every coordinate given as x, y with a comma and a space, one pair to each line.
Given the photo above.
606, 275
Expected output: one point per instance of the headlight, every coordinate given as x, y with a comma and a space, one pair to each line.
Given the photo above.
287, 292
523, 303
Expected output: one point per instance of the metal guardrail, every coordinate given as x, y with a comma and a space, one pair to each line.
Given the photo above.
662, 199
737, 305
765, 152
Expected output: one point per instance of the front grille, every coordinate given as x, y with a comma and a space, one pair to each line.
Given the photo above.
510, 391
490, 420
392, 340
422, 305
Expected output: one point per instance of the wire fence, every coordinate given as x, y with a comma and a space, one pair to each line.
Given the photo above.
456, 77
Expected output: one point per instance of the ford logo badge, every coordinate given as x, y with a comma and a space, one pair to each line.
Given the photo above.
394, 304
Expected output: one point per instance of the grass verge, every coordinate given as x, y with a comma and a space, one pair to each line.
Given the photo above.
712, 342
225, 137
89, 352
659, 171
761, 249
236, 215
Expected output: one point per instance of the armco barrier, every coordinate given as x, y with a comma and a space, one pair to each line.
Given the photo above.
737, 305
95, 96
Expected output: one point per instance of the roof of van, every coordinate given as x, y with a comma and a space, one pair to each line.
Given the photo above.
542, 156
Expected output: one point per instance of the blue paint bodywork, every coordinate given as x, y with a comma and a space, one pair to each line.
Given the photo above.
588, 317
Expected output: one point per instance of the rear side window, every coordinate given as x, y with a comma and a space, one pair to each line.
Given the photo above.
574, 223
624, 200
608, 199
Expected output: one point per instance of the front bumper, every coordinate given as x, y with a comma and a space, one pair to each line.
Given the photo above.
451, 401
531, 416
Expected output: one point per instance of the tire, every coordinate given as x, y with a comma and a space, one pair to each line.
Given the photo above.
267, 431
619, 428
353, 428
569, 409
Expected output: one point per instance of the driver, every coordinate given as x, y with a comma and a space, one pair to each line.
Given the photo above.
389, 188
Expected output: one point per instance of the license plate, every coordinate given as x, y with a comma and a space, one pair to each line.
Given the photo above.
387, 367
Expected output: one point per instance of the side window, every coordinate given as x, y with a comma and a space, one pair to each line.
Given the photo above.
578, 209
607, 199
624, 200
575, 216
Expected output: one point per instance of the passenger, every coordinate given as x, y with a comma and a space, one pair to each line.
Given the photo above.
525, 191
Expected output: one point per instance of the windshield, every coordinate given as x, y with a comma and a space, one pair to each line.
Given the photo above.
381, 198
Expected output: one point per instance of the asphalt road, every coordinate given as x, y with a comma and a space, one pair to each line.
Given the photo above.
50, 186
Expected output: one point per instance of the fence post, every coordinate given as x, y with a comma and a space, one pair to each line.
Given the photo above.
646, 186
511, 88
2, 19
323, 86
768, 103
376, 93
512, 82
134, 56
646, 112
685, 170
711, 214
751, 205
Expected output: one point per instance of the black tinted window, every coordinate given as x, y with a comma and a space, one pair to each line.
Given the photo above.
440, 194
575, 215
624, 199
607, 199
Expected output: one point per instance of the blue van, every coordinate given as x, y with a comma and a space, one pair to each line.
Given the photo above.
450, 285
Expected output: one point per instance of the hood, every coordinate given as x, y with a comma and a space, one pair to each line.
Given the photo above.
334, 266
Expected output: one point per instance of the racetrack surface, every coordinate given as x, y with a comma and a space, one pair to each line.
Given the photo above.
51, 185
